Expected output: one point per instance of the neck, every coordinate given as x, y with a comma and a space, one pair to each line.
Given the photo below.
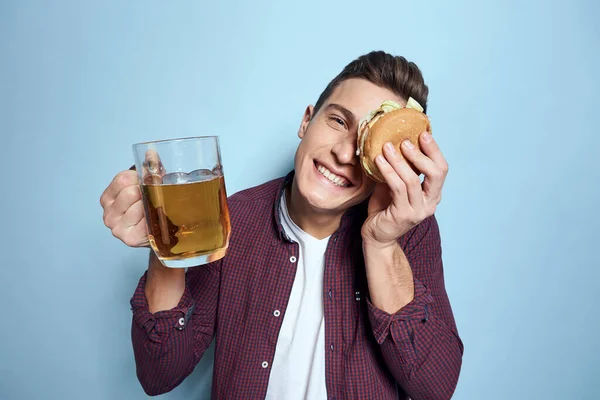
317, 224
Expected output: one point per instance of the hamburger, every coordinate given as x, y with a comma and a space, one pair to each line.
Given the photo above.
389, 123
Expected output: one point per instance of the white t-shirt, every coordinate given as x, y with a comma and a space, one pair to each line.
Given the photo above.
298, 369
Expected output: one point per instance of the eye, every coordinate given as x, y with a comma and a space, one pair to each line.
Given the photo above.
338, 121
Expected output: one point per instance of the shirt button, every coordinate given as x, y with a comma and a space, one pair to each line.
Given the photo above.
331, 347
181, 321
265, 364
293, 259
276, 313
329, 293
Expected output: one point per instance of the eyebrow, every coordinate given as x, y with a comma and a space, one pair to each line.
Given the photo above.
347, 113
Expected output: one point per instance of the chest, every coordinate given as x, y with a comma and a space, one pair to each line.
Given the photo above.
257, 283
255, 295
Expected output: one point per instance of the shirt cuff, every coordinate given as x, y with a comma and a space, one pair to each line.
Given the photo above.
416, 310
160, 324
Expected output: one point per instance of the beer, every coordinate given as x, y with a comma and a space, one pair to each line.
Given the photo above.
188, 219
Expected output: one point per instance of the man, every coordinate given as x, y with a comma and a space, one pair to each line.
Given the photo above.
332, 286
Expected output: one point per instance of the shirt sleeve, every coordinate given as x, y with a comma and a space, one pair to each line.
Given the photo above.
420, 342
168, 344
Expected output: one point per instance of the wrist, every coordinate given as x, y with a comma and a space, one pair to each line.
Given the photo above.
369, 243
164, 285
389, 275
156, 267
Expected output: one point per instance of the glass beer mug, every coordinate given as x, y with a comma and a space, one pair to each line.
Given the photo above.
183, 191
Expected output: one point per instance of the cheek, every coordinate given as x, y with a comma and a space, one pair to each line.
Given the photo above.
301, 152
318, 136
311, 148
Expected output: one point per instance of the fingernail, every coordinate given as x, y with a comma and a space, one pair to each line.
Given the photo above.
408, 145
426, 137
379, 158
390, 147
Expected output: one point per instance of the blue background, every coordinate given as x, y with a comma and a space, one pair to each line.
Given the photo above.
514, 104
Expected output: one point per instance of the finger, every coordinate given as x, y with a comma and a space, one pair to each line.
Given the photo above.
131, 227
434, 179
120, 181
422, 163
393, 180
406, 173
125, 199
134, 215
113, 217
139, 234
133, 236
431, 149
153, 164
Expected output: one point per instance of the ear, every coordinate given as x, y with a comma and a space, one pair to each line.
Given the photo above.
308, 114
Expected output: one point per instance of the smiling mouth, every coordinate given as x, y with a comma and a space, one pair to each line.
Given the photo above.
333, 178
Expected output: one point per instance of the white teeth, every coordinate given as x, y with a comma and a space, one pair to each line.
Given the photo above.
336, 180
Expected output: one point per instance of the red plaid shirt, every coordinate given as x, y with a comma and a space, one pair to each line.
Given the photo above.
370, 354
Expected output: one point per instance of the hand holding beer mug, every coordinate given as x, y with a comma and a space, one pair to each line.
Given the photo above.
184, 197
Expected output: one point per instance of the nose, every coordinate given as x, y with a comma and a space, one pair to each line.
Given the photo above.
345, 151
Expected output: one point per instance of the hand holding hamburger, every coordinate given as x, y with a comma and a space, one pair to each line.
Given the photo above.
394, 147
389, 123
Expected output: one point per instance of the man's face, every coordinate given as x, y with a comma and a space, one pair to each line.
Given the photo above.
328, 173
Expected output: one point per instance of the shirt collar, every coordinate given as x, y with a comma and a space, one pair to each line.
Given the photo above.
353, 216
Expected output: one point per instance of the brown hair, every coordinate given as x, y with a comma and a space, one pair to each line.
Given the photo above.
382, 69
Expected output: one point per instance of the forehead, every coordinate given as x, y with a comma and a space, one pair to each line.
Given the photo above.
361, 96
